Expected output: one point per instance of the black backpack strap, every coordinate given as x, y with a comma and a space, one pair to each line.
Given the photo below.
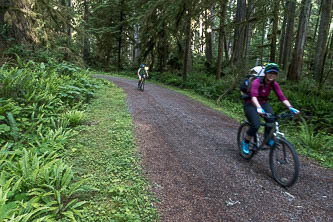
262, 80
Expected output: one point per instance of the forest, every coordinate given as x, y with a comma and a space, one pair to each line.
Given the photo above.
50, 48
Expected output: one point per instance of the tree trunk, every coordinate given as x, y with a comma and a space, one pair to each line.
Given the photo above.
86, 42
263, 29
188, 34
136, 49
226, 46
330, 50
209, 39
221, 38
249, 12
291, 7
283, 34
324, 27
317, 21
163, 48
330, 57
120, 39
275, 28
69, 28
21, 21
4, 5
240, 33
295, 68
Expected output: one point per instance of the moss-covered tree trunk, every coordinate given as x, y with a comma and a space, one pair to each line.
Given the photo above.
20, 20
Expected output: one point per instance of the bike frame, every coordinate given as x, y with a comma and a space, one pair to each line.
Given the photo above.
275, 132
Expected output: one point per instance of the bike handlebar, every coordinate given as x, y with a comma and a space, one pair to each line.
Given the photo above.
283, 115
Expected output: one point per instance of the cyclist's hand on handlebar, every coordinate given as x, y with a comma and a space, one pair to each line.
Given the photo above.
260, 111
293, 110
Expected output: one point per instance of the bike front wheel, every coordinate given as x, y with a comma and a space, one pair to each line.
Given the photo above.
242, 130
284, 163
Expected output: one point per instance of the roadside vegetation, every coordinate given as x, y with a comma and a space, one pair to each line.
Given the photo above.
60, 162
311, 132
67, 149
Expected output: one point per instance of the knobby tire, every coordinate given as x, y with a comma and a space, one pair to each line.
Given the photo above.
142, 85
284, 163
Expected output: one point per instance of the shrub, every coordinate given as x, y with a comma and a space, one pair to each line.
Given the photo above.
74, 117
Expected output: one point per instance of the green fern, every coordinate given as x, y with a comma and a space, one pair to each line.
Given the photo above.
74, 117
314, 141
13, 125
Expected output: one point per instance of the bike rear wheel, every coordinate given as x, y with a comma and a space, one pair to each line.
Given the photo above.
243, 128
284, 163
142, 85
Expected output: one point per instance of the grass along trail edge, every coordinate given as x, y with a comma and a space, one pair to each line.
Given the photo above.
104, 155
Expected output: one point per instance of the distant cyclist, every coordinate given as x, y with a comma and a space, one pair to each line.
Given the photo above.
258, 104
143, 70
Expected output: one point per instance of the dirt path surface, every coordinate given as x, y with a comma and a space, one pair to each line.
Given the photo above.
189, 153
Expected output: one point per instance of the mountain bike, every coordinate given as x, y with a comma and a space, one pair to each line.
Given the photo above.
141, 85
283, 158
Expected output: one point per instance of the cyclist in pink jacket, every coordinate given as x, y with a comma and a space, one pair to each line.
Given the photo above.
257, 104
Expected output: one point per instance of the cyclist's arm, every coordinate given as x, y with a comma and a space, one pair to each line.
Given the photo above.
255, 102
254, 92
139, 73
286, 103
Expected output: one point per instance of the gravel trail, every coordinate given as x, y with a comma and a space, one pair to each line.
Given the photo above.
189, 153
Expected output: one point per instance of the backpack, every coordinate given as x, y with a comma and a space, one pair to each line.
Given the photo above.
258, 70
245, 85
142, 71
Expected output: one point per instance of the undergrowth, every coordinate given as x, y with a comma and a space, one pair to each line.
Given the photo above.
39, 106
104, 156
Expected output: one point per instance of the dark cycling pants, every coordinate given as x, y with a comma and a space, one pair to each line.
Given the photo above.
253, 117
140, 80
